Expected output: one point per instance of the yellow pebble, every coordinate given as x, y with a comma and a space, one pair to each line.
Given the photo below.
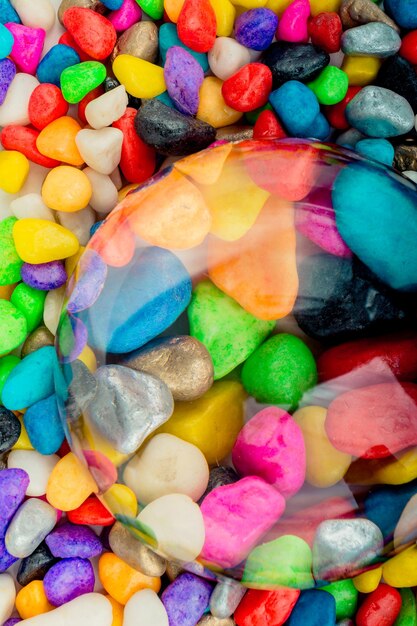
278, 6
121, 500
14, 168
141, 78
23, 443
250, 4
121, 581
325, 465
368, 581
88, 357
225, 14
402, 469
6, 291
401, 570
69, 484
319, 6
212, 422
212, 107
41, 241
173, 9
125, 190
117, 611
31, 600
57, 140
361, 71
66, 189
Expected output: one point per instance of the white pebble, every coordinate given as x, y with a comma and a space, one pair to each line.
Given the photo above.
107, 108
37, 466
227, 56
52, 309
411, 174
14, 109
146, 609
7, 596
31, 205
91, 609
177, 524
167, 464
31, 523
117, 178
39, 14
35, 180
79, 223
105, 195
100, 149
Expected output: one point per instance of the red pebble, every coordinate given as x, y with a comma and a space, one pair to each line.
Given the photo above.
248, 88
380, 608
64, 449
46, 104
268, 127
197, 25
91, 511
68, 40
82, 105
92, 32
392, 354
23, 139
266, 608
408, 48
138, 159
325, 30
336, 112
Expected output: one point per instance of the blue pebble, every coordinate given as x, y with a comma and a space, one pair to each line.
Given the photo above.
256, 28
385, 503
31, 380
43, 426
313, 609
377, 149
95, 227
7, 13
55, 62
168, 37
6, 42
165, 98
376, 215
155, 289
296, 106
403, 12
112, 5
320, 128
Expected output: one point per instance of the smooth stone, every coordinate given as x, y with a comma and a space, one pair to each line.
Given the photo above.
70, 540
105, 196
31, 380
68, 579
188, 591
384, 505
146, 607
91, 609
219, 476
101, 149
7, 596
106, 109
29, 527
169, 131
140, 40
10, 429
314, 607
40, 338
41, 15
15, 106
182, 363
379, 112
44, 426
374, 39
294, 61
7, 74
404, 13
37, 466
35, 566
227, 56
134, 552
225, 599
344, 548
399, 75
13, 486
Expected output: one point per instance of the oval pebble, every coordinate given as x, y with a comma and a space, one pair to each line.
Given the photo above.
15, 107
183, 78
7, 596
147, 607
192, 590
44, 276
380, 112
35, 566
91, 609
68, 579
256, 28
31, 380
29, 527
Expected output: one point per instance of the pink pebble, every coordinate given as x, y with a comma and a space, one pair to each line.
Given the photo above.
293, 23
128, 14
271, 446
27, 47
236, 516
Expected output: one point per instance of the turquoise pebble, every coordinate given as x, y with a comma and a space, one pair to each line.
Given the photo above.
43, 426
6, 42
314, 607
112, 5
7, 13
297, 108
168, 37
320, 128
31, 380
378, 149
404, 12
55, 62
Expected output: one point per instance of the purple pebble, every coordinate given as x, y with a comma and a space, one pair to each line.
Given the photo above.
12, 621
92, 276
186, 599
68, 579
183, 76
256, 28
7, 73
44, 276
13, 485
6, 559
70, 540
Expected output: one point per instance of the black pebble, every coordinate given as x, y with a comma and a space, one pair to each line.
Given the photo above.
218, 477
35, 566
170, 132
9, 429
292, 61
400, 76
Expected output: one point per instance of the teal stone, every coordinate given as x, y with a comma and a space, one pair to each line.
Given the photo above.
168, 37
6, 42
376, 215
165, 99
377, 149
43, 426
31, 380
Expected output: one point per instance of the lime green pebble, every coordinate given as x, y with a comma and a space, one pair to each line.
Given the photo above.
346, 597
13, 327
78, 80
408, 613
7, 364
252, 116
280, 371
285, 561
10, 262
153, 8
31, 302
229, 333
330, 86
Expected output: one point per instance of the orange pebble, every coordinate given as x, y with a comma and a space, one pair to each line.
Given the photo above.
69, 484
259, 270
173, 9
57, 141
31, 600
121, 581
117, 611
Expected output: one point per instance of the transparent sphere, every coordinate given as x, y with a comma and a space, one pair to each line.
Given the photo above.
238, 359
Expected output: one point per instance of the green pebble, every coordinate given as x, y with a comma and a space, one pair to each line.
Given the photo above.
346, 597
13, 327
330, 86
31, 302
10, 262
285, 561
7, 364
252, 116
229, 333
408, 613
78, 80
280, 371
153, 8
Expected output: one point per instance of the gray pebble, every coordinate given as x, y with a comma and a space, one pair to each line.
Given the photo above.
379, 112
33, 521
225, 598
374, 39
134, 552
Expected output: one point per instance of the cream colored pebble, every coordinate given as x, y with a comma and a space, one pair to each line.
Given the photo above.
107, 108
79, 223
14, 109
227, 56
39, 14
101, 149
31, 205
104, 197
91, 609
